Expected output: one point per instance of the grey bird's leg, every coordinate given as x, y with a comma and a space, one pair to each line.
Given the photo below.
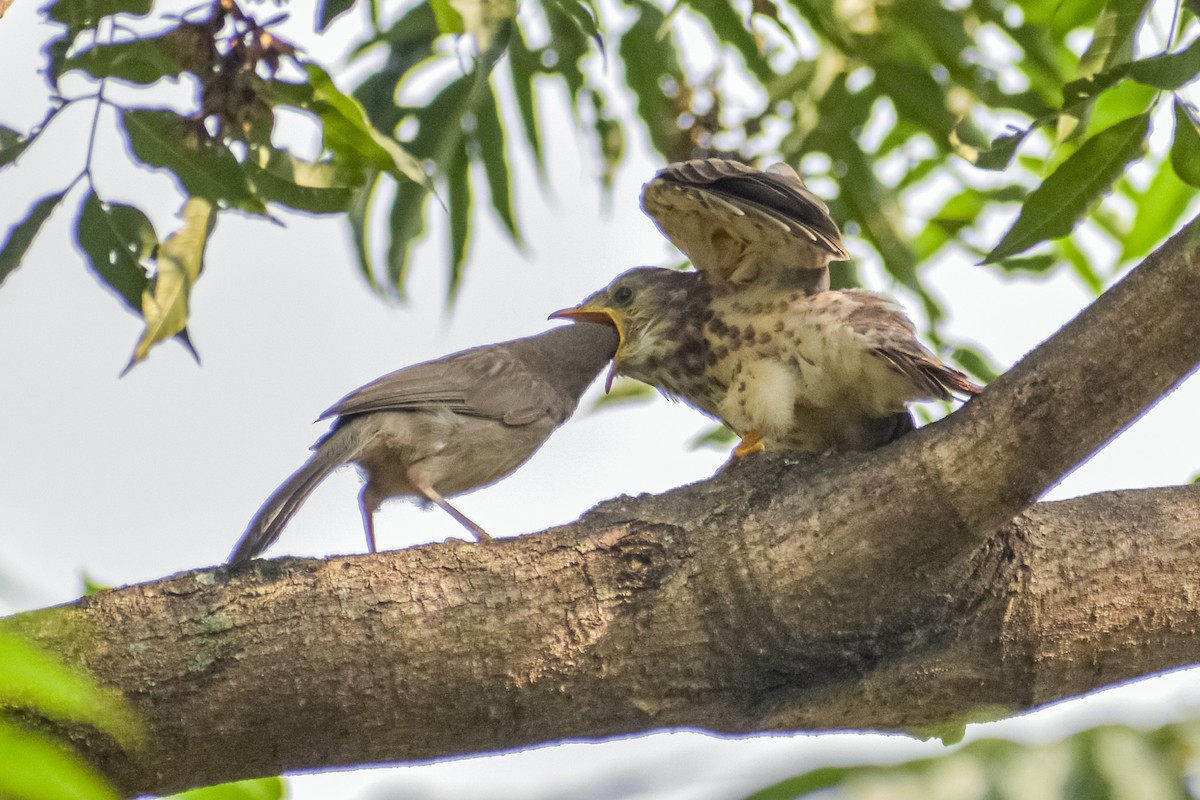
431, 494
368, 504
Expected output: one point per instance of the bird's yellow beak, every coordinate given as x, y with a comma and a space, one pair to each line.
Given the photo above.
601, 315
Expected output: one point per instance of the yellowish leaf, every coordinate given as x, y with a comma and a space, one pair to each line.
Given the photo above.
483, 18
180, 259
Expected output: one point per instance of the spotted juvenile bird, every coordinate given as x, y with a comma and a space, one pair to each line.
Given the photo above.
754, 338
742, 227
444, 427
813, 373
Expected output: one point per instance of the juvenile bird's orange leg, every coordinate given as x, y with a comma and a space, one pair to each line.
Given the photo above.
432, 496
751, 443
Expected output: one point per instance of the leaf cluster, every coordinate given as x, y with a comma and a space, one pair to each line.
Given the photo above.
919, 122
1109, 762
38, 691
220, 152
35, 765
922, 123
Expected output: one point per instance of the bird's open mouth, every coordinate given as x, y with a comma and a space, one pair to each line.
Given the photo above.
600, 315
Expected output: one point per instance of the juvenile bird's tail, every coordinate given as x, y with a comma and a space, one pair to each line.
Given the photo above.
275, 513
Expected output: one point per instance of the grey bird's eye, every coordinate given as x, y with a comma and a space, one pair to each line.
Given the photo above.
622, 296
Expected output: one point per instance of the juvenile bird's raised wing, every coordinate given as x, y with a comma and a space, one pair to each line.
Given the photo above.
487, 381
741, 225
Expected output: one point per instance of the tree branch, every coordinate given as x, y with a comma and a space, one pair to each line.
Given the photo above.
782, 595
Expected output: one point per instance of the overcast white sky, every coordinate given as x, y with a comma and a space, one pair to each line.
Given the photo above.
132, 479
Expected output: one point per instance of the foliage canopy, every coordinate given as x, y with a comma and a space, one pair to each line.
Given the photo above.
922, 123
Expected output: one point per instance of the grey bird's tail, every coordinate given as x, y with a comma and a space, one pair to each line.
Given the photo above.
329, 454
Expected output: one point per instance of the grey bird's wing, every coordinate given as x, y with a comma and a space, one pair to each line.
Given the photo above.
517, 382
895, 341
485, 382
742, 225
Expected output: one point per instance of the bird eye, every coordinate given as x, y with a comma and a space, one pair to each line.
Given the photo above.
623, 295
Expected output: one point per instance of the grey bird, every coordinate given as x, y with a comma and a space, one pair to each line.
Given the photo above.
444, 427
742, 226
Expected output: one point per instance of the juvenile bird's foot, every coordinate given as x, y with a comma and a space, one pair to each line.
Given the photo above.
752, 442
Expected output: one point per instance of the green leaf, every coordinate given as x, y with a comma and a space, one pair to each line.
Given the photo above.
717, 436
92, 586
733, 30
1034, 264
976, 363
418, 27
79, 14
1185, 149
12, 144
1003, 148
116, 238
409, 42
801, 785
1052, 210
318, 187
141, 61
1159, 208
256, 789
33, 679
523, 68
1103, 63
55, 55
1081, 264
586, 18
1079, 93
34, 766
1043, 63
458, 176
180, 260
1125, 100
440, 138
964, 208
489, 133
448, 19
917, 96
1114, 37
610, 135
1107, 762
205, 167
624, 390
349, 136
566, 48
407, 222
21, 235
650, 65
329, 10
1170, 71
877, 209
1085, 778
359, 216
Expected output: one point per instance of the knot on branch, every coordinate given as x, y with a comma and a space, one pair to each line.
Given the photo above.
643, 559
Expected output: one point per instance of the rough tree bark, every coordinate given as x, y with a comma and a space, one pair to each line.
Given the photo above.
900, 590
